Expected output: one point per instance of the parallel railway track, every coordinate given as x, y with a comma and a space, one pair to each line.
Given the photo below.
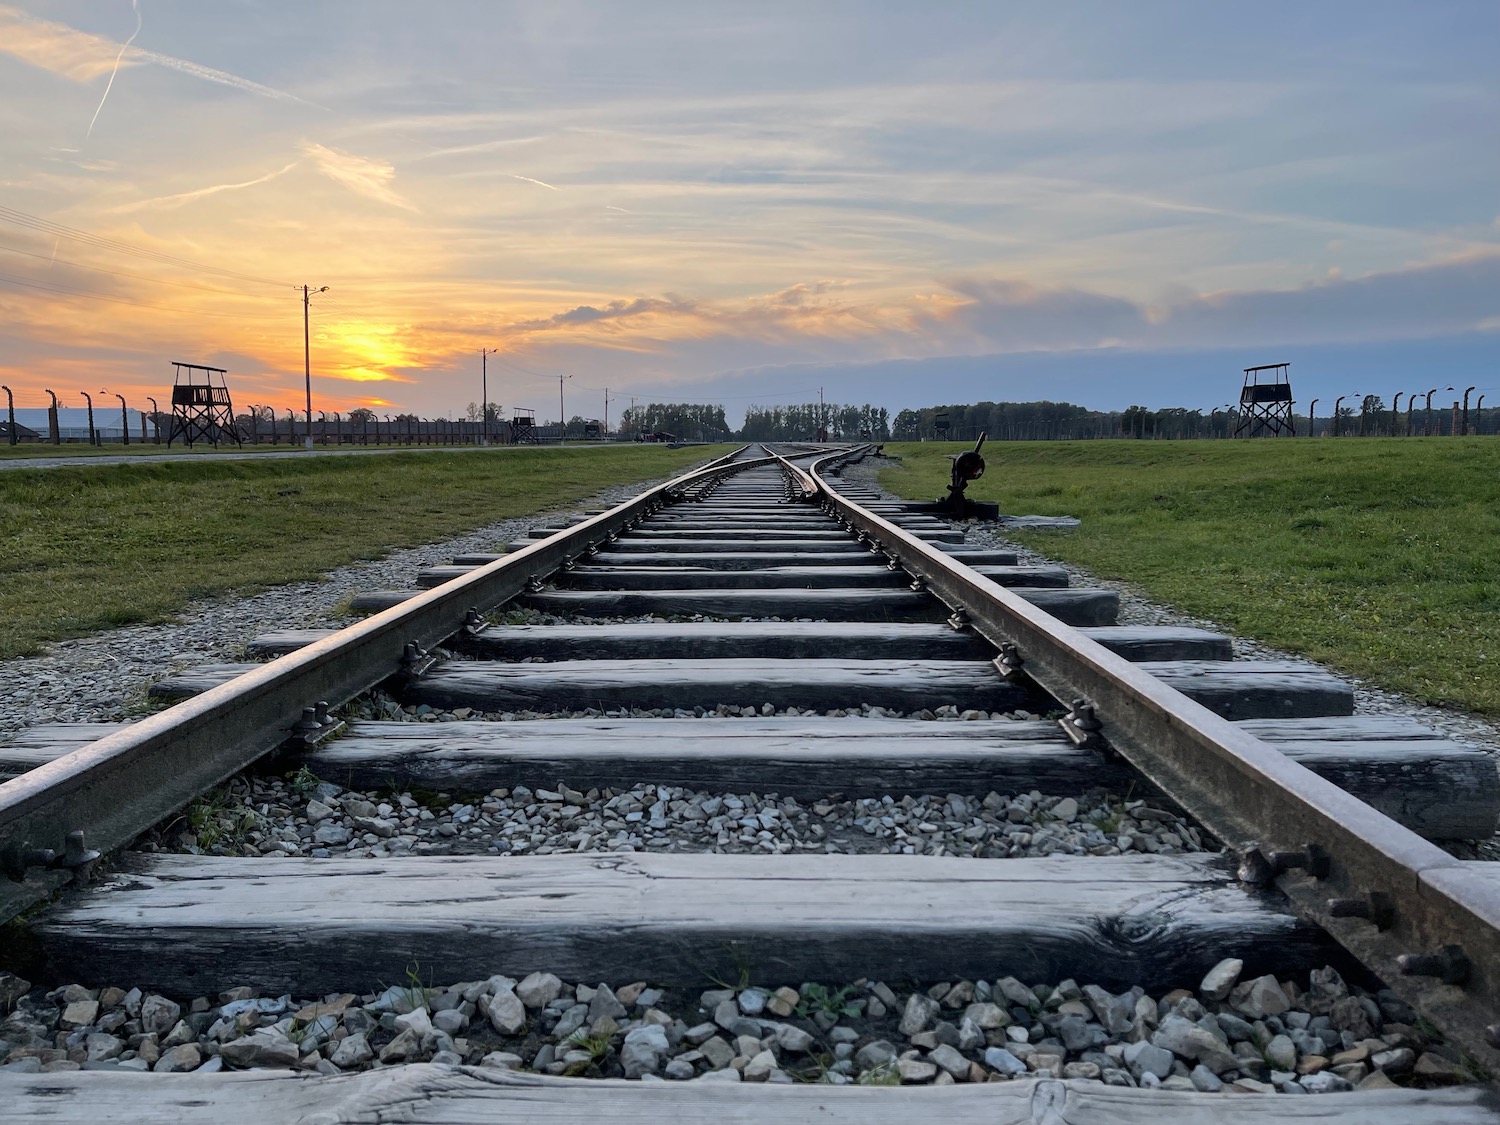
791, 606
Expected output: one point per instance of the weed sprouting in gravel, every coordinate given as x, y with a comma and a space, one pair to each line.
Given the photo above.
218, 819
833, 1002
884, 1075
598, 1047
303, 783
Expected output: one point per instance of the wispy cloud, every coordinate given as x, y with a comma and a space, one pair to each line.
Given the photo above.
56, 47
83, 57
360, 174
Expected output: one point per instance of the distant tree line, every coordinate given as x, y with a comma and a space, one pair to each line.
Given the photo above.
1061, 421
802, 422
692, 421
706, 422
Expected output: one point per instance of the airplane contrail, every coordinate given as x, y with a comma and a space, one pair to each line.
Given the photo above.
223, 78
135, 7
539, 183
199, 193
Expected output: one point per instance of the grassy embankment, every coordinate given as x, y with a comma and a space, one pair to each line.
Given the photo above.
44, 450
92, 547
1380, 558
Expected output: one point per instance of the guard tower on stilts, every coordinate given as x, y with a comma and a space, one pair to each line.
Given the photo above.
1266, 402
201, 408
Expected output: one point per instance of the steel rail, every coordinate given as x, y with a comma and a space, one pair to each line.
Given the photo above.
1426, 914
118, 787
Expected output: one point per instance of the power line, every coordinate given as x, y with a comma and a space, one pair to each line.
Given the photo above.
136, 276
47, 226
526, 371
339, 306
9, 280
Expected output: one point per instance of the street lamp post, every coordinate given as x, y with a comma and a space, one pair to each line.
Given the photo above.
1312, 419
1479, 414
307, 292
93, 434
1395, 413
155, 423
10, 408
124, 415
1467, 391
484, 394
1411, 404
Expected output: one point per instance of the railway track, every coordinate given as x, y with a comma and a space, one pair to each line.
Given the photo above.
790, 789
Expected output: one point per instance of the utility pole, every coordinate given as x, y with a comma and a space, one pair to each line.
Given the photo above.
307, 292
562, 425
606, 412
484, 391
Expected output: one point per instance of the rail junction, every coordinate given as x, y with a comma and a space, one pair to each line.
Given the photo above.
765, 587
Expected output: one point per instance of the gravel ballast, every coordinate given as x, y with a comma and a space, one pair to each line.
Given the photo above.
1225, 1036
301, 816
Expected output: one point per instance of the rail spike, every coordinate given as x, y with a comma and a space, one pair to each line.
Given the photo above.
1082, 726
77, 858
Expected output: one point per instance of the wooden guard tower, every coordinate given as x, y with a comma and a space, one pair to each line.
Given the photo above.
1266, 402
523, 426
201, 409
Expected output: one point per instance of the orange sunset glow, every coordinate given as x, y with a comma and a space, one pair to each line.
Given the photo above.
682, 201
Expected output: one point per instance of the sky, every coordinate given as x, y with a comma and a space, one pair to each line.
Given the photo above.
899, 203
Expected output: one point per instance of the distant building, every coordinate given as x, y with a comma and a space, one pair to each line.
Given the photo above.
24, 434
73, 423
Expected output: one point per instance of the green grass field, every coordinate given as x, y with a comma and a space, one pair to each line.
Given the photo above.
44, 450
91, 547
1380, 558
